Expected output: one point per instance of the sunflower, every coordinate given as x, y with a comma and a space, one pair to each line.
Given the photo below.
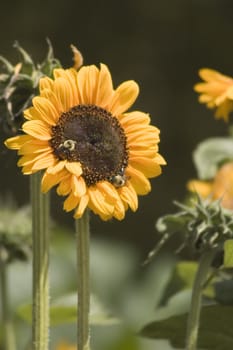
221, 187
79, 133
216, 92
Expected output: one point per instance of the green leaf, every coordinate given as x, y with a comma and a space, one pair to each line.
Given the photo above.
215, 330
210, 153
228, 253
64, 310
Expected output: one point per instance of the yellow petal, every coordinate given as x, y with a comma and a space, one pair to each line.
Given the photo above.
104, 91
74, 168
71, 202
213, 75
46, 109
57, 105
56, 167
149, 153
81, 207
37, 129
146, 135
87, 83
159, 159
78, 186
27, 169
99, 203
149, 167
64, 94
45, 83
128, 195
229, 92
50, 180
34, 146
31, 158
44, 162
70, 75
64, 186
109, 190
131, 118
17, 142
139, 144
32, 113
138, 180
119, 210
124, 97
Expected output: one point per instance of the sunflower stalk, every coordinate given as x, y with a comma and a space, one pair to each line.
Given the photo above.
83, 261
40, 219
195, 308
8, 332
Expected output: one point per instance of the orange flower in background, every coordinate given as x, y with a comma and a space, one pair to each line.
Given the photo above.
216, 92
65, 346
78, 131
220, 188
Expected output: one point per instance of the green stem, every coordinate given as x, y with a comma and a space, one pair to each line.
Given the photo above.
83, 237
8, 332
195, 308
40, 248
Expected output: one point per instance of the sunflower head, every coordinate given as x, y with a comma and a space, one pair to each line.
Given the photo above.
216, 92
79, 131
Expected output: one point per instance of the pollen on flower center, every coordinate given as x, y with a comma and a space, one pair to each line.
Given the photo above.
94, 137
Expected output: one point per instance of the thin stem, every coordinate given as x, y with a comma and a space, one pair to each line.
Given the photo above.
8, 332
40, 248
195, 308
83, 237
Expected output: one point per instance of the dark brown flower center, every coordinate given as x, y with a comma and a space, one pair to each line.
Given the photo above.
92, 136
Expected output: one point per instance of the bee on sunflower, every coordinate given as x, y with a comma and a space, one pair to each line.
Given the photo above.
79, 132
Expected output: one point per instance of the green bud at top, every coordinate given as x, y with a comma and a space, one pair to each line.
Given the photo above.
203, 225
19, 84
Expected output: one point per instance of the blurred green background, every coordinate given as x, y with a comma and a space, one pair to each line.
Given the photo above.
159, 43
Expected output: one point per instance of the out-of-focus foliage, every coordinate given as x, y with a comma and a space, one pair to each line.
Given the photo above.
215, 328
120, 285
210, 154
15, 232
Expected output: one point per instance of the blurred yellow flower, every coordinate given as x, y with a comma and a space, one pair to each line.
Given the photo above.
78, 131
65, 346
216, 92
220, 188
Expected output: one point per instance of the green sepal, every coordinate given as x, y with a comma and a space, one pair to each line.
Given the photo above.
26, 60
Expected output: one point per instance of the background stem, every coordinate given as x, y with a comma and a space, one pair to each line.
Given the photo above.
8, 331
195, 308
83, 237
40, 247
